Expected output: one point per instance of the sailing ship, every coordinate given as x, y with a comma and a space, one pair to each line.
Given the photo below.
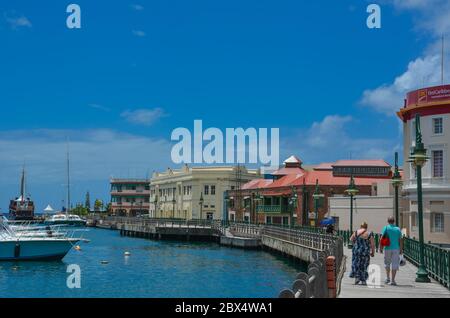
21, 208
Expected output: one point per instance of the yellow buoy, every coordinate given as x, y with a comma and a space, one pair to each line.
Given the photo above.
77, 247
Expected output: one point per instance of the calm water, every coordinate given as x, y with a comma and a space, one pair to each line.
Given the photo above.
154, 269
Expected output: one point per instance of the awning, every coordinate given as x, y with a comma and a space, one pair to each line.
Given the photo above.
277, 193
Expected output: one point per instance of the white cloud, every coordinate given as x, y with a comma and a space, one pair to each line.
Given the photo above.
145, 117
137, 7
433, 18
139, 33
96, 155
329, 140
99, 107
16, 21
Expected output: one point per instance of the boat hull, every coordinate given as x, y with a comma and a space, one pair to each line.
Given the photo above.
25, 250
64, 222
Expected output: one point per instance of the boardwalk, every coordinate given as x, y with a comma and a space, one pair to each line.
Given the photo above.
406, 285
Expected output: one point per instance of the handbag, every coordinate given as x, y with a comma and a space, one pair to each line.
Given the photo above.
385, 241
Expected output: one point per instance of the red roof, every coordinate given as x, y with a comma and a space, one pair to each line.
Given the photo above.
324, 166
361, 163
286, 171
256, 184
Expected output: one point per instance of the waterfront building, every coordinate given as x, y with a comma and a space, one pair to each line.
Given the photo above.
130, 197
287, 195
195, 192
433, 105
373, 209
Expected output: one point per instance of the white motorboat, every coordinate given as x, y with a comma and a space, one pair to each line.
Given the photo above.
65, 219
33, 245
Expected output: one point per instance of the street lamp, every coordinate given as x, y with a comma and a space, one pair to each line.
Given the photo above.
317, 196
305, 195
155, 202
173, 204
257, 198
293, 202
418, 158
200, 202
351, 191
396, 182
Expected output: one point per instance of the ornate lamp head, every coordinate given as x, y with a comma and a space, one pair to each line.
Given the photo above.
352, 190
200, 202
418, 156
396, 178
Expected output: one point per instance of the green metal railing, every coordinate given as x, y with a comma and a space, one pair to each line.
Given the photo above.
273, 209
437, 259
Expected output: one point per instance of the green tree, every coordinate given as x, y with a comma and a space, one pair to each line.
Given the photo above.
108, 208
98, 205
79, 210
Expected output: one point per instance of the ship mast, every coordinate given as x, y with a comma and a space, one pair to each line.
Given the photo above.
22, 185
68, 180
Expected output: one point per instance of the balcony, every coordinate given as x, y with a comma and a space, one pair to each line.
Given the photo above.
138, 192
428, 183
273, 209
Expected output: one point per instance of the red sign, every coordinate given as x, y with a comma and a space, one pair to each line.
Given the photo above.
428, 95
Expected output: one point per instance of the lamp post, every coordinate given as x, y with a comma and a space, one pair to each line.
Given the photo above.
351, 191
304, 203
200, 202
396, 182
256, 200
293, 202
155, 202
418, 158
173, 204
317, 196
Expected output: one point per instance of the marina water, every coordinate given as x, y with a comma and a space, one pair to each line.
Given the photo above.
154, 269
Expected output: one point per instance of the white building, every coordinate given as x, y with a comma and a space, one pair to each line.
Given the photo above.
373, 209
433, 105
177, 193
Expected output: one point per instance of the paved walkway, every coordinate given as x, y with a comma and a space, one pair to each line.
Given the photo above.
406, 285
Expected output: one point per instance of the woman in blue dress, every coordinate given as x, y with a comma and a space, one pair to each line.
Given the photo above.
363, 249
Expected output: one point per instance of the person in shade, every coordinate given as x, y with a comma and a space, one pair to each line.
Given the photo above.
393, 251
363, 249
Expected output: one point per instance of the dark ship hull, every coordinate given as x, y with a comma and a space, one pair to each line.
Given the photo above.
21, 210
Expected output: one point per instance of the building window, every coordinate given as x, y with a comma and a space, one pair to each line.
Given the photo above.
438, 163
414, 221
437, 222
206, 192
213, 190
438, 128
268, 220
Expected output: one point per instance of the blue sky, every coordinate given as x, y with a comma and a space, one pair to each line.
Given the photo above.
136, 70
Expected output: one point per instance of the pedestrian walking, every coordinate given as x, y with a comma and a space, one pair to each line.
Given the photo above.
392, 244
363, 249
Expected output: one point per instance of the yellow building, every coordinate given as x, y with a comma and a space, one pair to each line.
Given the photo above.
195, 192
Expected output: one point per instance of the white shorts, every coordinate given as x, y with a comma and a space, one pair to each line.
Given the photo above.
392, 259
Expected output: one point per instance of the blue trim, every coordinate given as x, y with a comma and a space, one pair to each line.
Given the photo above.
35, 258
